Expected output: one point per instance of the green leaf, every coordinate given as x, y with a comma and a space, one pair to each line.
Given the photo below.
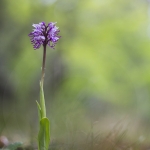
44, 134
39, 110
14, 146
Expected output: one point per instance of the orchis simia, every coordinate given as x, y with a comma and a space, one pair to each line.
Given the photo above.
44, 35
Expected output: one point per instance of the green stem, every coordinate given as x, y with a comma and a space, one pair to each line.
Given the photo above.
43, 64
42, 100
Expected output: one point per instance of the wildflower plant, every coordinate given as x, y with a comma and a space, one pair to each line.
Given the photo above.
43, 35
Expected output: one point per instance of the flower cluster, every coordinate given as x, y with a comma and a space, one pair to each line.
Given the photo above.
44, 35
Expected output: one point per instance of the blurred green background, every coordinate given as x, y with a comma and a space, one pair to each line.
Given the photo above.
98, 74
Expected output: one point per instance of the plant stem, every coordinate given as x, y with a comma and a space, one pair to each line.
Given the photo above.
43, 64
42, 99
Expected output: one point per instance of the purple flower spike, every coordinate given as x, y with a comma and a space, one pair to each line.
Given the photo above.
44, 35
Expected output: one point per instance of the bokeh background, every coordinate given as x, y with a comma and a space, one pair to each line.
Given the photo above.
98, 76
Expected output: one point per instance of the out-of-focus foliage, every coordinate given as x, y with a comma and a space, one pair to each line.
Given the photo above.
100, 65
